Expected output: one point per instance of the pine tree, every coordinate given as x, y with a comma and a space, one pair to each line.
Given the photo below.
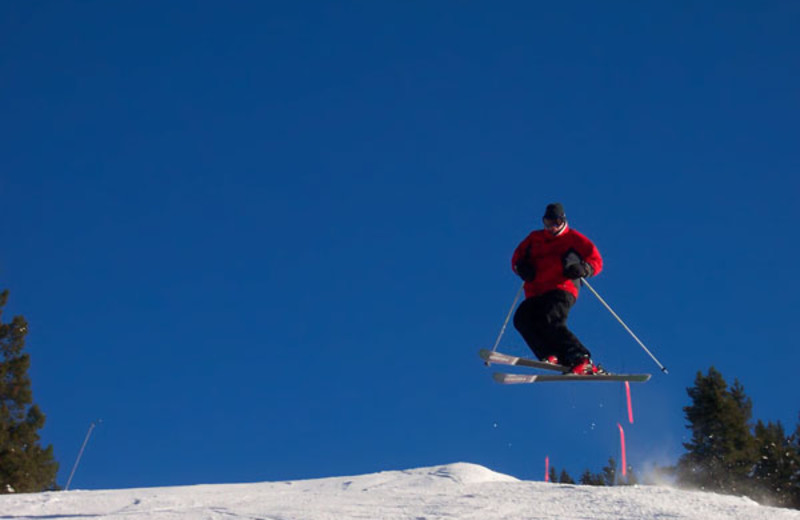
610, 472
552, 474
24, 465
722, 451
794, 481
564, 478
591, 479
630, 478
776, 466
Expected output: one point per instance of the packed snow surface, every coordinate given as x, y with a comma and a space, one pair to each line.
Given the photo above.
463, 491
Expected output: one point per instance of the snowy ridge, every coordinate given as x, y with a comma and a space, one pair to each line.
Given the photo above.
461, 490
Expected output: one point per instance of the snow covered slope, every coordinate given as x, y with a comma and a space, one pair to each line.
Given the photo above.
463, 491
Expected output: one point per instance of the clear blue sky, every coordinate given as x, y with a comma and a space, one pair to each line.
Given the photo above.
265, 240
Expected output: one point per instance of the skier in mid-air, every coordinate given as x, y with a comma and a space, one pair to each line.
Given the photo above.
552, 261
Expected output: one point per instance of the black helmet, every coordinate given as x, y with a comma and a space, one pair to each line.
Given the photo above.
555, 211
554, 219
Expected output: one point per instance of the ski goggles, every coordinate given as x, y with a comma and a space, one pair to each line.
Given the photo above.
553, 223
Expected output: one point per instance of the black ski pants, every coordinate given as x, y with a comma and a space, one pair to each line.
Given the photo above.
542, 322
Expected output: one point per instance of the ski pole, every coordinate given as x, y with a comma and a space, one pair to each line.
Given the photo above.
80, 453
505, 323
662, 367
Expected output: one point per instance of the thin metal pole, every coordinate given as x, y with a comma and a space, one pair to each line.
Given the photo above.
505, 323
80, 453
662, 367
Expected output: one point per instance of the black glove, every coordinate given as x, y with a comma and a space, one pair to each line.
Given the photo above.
578, 270
525, 270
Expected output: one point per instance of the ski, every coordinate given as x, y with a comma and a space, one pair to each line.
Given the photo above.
499, 358
510, 379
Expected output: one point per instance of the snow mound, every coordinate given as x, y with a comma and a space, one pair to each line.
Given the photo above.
460, 473
457, 474
460, 490
446, 476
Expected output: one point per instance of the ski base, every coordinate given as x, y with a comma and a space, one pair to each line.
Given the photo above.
510, 379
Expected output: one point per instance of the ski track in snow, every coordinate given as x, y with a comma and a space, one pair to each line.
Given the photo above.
454, 491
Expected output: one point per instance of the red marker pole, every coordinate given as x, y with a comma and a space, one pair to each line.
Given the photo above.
630, 408
622, 443
547, 469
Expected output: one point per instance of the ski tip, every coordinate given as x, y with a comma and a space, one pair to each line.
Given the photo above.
637, 378
500, 377
506, 378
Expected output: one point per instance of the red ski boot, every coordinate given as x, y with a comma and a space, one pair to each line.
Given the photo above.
585, 367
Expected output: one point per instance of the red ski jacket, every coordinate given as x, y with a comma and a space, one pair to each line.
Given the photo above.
546, 253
